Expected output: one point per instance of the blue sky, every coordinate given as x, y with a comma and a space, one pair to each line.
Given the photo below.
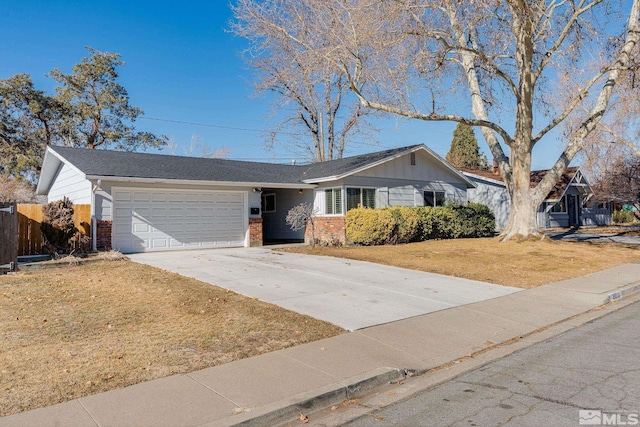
182, 66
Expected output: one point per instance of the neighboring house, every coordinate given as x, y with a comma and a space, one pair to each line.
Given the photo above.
570, 203
151, 202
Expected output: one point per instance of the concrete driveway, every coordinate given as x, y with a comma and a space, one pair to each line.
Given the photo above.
347, 293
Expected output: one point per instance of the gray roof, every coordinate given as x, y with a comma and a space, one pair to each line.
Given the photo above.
106, 163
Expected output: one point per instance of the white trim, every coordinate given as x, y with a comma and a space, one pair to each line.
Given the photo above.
203, 183
62, 159
50, 175
360, 187
342, 199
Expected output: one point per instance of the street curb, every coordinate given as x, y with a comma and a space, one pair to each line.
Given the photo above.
432, 378
289, 409
622, 292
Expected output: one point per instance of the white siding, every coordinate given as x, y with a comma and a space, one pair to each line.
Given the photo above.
494, 196
426, 169
69, 183
402, 196
254, 201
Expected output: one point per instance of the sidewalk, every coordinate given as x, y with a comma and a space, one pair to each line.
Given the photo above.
274, 387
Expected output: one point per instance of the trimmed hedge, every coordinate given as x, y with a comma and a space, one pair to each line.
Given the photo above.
406, 224
369, 226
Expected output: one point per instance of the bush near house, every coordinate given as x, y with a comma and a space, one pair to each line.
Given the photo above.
623, 216
370, 226
405, 224
59, 232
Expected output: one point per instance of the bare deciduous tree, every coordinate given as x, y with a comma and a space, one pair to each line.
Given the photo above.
12, 190
300, 216
196, 149
321, 114
517, 69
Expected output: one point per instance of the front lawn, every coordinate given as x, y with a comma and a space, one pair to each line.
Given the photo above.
521, 264
78, 330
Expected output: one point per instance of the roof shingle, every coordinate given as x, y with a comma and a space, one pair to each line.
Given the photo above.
107, 163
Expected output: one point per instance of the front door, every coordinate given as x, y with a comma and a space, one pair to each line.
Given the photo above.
572, 210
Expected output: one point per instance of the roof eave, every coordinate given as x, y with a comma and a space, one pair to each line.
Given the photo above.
50, 166
484, 178
469, 183
300, 185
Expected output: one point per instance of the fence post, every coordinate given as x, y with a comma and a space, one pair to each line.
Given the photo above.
8, 238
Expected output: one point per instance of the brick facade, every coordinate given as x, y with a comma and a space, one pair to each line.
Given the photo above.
103, 235
255, 232
329, 230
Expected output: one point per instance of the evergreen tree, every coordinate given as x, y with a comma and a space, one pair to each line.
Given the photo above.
90, 109
464, 151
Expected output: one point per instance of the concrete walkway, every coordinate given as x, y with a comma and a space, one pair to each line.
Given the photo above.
275, 387
348, 293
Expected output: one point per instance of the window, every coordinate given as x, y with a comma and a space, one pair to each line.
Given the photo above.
268, 203
333, 201
361, 197
561, 206
412, 158
434, 198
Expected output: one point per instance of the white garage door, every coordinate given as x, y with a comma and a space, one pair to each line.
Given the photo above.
159, 220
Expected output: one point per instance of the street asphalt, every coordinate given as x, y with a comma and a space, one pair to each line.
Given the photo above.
350, 294
591, 373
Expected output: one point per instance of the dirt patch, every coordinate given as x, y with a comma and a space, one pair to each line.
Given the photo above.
525, 264
78, 330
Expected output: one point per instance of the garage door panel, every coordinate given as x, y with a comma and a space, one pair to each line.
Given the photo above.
159, 197
156, 219
122, 196
175, 197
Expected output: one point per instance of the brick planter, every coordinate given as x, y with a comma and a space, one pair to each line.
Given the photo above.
329, 229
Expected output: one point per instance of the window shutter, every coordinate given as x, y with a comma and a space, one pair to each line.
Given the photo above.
328, 201
338, 199
369, 198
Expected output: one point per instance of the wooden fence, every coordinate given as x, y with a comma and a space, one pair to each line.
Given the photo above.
29, 218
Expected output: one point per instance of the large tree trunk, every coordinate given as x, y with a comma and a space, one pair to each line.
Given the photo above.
523, 218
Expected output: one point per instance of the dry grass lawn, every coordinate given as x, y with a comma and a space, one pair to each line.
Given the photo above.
78, 330
521, 264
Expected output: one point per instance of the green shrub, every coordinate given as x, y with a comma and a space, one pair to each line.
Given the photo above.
623, 216
477, 220
426, 223
406, 223
369, 226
